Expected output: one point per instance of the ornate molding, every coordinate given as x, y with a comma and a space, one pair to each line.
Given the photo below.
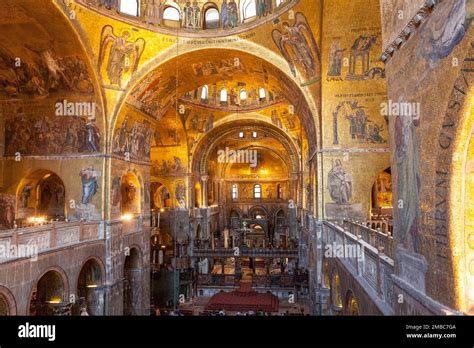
199, 33
203, 154
421, 16
355, 150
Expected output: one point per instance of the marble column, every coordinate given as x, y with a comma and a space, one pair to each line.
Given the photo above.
204, 180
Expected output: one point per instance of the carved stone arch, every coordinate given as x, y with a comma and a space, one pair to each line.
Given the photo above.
288, 166
351, 305
306, 102
63, 297
237, 210
200, 161
86, 46
137, 22
255, 207
336, 291
8, 300
453, 170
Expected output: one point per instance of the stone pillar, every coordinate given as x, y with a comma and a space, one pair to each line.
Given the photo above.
294, 188
292, 222
95, 301
268, 262
204, 198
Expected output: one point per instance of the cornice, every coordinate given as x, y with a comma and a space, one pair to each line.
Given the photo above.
421, 16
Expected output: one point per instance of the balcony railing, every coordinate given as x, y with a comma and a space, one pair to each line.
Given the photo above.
257, 200
135, 225
384, 225
259, 281
218, 280
370, 262
375, 238
244, 252
279, 280
30, 241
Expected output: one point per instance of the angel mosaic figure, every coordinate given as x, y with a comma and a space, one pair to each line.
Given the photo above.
297, 44
124, 55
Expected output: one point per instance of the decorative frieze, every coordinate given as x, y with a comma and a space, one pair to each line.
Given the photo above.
421, 16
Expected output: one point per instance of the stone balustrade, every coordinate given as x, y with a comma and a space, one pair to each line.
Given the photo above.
244, 252
33, 240
375, 238
349, 243
385, 225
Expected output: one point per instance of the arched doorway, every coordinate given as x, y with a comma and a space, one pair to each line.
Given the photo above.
89, 287
257, 237
50, 193
198, 232
336, 295
41, 194
48, 295
131, 194
326, 275
197, 195
4, 308
132, 290
280, 222
161, 197
234, 219
352, 307
198, 238
258, 213
7, 302
381, 197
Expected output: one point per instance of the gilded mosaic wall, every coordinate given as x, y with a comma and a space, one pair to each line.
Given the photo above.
355, 132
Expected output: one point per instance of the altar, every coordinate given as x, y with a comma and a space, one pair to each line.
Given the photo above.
250, 236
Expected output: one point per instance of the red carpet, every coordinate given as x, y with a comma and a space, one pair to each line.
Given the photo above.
243, 300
